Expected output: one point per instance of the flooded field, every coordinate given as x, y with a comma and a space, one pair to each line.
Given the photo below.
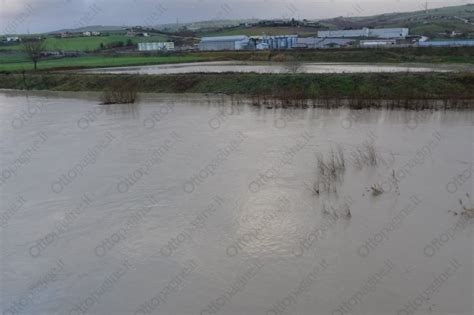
262, 67
185, 204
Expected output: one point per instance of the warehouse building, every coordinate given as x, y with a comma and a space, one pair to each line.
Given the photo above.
446, 43
239, 42
366, 32
347, 33
156, 46
317, 42
378, 42
400, 33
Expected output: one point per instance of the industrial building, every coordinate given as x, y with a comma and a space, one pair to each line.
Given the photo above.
156, 46
446, 43
400, 33
320, 43
242, 42
239, 42
13, 39
378, 42
89, 33
276, 42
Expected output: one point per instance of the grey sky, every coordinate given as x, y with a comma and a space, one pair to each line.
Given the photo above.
22, 16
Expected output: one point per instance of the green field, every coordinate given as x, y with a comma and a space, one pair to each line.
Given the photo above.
20, 63
88, 43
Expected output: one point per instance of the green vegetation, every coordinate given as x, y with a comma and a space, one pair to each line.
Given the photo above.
400, 86
404, 55
394, 55
17, 63
88, 43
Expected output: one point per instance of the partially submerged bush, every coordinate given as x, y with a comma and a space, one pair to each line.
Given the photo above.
330, 171
365, 155
120, 92
468, 210
376, 190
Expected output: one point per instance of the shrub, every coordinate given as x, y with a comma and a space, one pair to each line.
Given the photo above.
120, 92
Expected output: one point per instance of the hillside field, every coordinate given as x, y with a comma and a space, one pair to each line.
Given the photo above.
427, 22
88, 43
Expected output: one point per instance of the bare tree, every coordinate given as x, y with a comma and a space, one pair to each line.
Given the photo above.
34, 49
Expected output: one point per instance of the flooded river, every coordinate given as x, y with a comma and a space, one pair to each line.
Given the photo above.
266, 67
189, 205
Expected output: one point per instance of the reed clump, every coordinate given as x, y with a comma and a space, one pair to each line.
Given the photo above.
365, 156
467, 210
120, 92
330, 171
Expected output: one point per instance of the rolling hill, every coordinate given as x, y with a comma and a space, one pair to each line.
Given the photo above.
431, 22
427, 22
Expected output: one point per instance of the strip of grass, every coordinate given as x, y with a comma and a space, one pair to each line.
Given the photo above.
21, 63
381, 86
384, 55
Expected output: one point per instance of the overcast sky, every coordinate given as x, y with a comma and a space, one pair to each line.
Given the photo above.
23, 16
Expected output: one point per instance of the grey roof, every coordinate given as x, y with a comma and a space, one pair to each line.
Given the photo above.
338, 41
224, 38
466, 42
321, 42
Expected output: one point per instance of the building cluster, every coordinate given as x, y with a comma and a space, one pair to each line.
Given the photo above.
70, 35
12, 39
365, 38
88, 34
160, 46
242, 42
325, 39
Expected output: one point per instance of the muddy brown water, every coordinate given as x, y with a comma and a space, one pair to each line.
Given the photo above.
184, 204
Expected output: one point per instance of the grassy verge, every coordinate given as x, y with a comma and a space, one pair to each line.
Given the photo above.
283, 86
406, 55
16, 63
392, 55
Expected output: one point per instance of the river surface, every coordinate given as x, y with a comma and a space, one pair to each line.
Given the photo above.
190, 205
262, 67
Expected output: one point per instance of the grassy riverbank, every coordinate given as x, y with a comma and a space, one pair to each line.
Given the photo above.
282, 86
18, 62
383, 55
